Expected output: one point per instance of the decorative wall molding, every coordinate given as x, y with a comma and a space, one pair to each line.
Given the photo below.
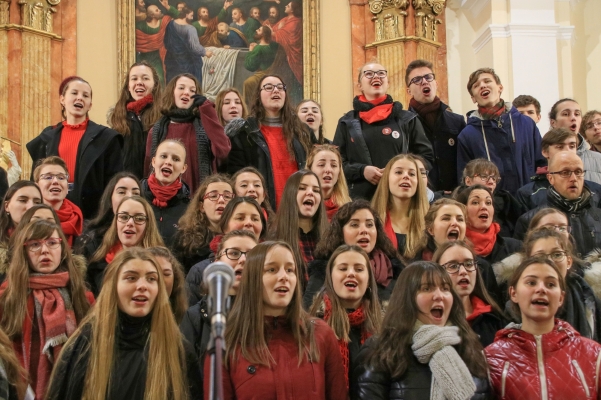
493, 31
475, 7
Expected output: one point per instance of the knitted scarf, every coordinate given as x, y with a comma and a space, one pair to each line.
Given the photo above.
356, 319
137, 106
493, 112
331, 207
214, 244
203, 146
162, 194
566, 205
117, 247
382, 267
71, 220
371, 111
451, 379
429, 111
484, 242
49, 303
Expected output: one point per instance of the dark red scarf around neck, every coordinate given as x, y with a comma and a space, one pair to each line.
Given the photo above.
71, 220
356, 319
162, 194
429, 111
331, 207
137, 106
484, 242
493, 112
371, 111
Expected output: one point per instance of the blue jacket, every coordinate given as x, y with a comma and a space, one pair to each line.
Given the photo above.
516, 152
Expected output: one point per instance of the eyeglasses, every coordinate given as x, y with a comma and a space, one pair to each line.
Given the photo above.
139, 219
418, 79
371, 74
50, 177
270, 87
453, 267
234, 254
556, 256
560, 228
579, 173
486, 178
593, 124
215, 195
424, 172
36, 245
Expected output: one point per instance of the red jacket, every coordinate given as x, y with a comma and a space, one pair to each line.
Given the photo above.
558, 365
286, 380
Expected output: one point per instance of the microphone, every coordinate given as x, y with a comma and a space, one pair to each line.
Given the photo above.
218, 277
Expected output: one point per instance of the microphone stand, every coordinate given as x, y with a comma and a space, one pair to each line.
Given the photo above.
216, 347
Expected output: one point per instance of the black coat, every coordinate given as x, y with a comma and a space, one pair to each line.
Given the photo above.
129, 371
134, 146
167, 218
99, 157
317, 277
585, 223
415, 384
534, 194
249, 149
443, 175
503, 247
194, 280
95, 271
507, 211
487, 325
355, 153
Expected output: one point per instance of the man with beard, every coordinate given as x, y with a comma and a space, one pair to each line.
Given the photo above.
440, 124
244, 25
207, 26
184, 50
230, 37
260, 57
150, 35
140, 10
274, 16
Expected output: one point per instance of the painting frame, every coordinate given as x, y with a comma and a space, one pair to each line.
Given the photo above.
126, 45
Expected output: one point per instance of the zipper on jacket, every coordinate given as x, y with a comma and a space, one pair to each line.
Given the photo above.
541, 367
582, 379
504, 378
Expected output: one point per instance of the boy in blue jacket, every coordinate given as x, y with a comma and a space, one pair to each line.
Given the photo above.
499, 133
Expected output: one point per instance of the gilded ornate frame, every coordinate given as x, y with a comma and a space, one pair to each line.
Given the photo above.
126, 42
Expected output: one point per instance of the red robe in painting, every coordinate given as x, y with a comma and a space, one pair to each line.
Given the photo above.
290, 37
146, 43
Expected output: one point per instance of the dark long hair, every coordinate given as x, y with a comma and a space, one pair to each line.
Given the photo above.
292, 127
168, 98
230, 208
265, 204
392, 348
6, 222
179, 296
334, 237
118, 119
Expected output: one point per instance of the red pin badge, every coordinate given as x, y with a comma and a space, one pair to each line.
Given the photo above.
386, 131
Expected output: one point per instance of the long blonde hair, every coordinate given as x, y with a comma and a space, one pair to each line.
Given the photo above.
383, 202
152, 237
165, 376
340, 194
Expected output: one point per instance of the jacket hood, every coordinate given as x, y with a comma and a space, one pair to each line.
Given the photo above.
505, 268
561, 334
583, 146
475, 117
592, 273
81, 264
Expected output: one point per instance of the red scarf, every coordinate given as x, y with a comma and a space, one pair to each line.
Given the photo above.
378, 113
55, 320
484, 242
382, 267
356, 318
390, 231
138, 106
480, 307
493, 112
214, 245
162, 194
331, 208
71, 220
117, 247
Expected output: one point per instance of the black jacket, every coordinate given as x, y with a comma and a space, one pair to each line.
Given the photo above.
167, 218
415, 384
249, 149
98, 159
487, 325
443, 175
507, 211
134, 146
317, 277
95, 273
355, 154
585, 223
534, 194
503, 247
194, 280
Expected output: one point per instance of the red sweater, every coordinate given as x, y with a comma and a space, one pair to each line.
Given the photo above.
69, 143
286, 379
283, 163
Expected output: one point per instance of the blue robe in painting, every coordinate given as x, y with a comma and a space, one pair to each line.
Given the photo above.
184, 51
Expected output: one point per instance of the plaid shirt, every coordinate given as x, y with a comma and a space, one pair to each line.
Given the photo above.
307, 243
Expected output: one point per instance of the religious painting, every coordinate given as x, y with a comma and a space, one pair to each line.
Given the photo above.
229, 43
